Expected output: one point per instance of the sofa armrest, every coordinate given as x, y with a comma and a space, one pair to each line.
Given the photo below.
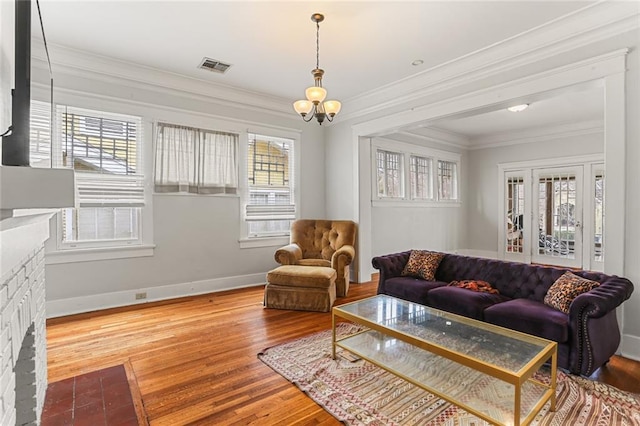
593, 324
601, 300
343, 257
390, 265
289, 254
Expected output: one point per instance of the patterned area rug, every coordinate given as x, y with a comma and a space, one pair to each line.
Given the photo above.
359, 393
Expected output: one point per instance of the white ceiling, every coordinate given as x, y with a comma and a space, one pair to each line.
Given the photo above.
580, 105
363, 44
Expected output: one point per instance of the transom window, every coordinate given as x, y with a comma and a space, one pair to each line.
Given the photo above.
389, 174
430, 175
421, 178
447, 180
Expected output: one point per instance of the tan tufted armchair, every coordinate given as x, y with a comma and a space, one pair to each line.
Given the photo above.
327, 243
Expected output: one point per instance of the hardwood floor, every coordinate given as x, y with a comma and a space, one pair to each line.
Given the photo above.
195, 358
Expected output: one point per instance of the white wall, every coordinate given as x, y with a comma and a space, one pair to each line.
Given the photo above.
400, 228
482, 195
341, 172
196, 237
631, 313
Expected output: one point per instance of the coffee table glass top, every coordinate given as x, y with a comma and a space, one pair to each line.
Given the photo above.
503, 348
485, 369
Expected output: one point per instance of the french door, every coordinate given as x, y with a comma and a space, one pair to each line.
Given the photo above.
557, 216
554, 215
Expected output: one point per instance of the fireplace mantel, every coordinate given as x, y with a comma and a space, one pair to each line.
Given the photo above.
35, 188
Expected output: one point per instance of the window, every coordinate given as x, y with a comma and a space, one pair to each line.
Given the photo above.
389, 172
421, 178
105, 150
270, 205
447, 180
40, 135
195, 161
515, 213
598, 215
406, 174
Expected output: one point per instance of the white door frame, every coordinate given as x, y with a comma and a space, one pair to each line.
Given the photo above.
525, 169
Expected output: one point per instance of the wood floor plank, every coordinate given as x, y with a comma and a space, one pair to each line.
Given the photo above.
195, 361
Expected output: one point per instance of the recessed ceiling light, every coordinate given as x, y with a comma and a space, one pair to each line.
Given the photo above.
518, 108
417, 62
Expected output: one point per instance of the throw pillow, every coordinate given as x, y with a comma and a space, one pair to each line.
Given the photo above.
475, 285
565, 289
422, 264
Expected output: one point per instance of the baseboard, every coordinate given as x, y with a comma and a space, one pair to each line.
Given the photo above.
488, 254
95, 302
630, 347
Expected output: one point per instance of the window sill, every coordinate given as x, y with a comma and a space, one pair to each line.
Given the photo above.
188, 194
102, 253
264, 242
414, 203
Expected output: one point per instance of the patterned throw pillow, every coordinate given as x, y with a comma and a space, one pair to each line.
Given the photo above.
475, 285
565, 289
422, 264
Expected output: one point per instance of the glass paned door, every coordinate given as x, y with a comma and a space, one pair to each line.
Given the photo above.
516, 237
557, 204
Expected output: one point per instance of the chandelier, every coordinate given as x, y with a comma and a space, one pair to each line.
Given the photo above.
315, 105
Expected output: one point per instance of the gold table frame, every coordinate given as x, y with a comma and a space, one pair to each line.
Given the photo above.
548, 350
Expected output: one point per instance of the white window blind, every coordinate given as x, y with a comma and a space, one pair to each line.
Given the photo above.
270, 204
195, 160
104, 150
40, 149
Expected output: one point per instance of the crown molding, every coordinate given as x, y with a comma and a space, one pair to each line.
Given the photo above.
577, 73
588, 25
109, 70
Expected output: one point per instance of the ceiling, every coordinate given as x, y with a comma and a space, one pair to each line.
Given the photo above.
271, 45
579, 104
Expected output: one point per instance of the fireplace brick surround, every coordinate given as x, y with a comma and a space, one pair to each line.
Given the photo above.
23, 366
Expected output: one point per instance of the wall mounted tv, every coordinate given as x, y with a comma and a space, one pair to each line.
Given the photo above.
15, 139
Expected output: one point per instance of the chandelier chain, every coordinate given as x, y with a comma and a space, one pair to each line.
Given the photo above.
317, 45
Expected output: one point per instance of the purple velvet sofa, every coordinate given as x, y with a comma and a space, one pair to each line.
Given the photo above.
587, 337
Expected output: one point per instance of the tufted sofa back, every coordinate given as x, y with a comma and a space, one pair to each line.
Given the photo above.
512, 279
319, 239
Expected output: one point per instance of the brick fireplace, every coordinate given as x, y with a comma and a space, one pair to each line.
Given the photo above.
23, 366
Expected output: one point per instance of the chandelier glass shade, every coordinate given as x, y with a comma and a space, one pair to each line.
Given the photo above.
315, 104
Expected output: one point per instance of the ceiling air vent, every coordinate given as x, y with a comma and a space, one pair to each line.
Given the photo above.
214, 65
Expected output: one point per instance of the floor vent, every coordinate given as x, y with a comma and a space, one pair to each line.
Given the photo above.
214, 65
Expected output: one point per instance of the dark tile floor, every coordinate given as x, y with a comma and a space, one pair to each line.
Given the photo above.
99, 398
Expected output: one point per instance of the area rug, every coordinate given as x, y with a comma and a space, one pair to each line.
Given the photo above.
359, 393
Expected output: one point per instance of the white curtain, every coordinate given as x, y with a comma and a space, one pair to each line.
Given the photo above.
195, 160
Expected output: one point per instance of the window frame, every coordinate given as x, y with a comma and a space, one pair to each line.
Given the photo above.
143, 246
407, 152
387, 153
140, 169
250, 241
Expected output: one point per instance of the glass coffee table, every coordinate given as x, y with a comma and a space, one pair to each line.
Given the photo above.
485, 369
